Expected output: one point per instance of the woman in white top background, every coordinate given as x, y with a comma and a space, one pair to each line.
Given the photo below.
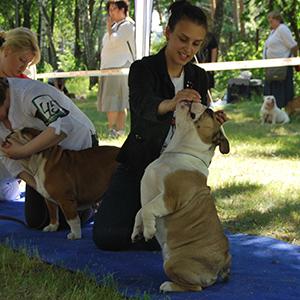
280, 44
118, 51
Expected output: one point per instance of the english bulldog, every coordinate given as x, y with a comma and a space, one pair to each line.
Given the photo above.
271, 113
293, 107
72, 180
177, 205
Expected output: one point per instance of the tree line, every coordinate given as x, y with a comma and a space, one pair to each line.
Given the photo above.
70, 31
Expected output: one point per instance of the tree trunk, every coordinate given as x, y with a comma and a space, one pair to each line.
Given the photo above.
242, 24
235, 15
49, 33
77, 50
26, 11
17, 15
218, 18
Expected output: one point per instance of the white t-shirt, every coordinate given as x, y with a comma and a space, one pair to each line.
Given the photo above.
118, 48
178, 83
38, 105
279, 43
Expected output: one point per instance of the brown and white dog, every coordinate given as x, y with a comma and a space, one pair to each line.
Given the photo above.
177, 205
72, 180
271, 113
293, 107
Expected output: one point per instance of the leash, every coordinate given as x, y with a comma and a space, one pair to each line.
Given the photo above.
9, 218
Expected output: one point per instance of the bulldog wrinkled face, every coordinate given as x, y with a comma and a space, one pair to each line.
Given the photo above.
269, 102
207, 126
190, 111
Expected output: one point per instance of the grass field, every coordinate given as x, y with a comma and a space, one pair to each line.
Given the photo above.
256, 187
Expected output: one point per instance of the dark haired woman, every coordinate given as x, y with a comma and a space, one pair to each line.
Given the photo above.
156, 84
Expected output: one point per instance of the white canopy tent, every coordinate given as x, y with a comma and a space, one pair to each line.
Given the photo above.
143, 14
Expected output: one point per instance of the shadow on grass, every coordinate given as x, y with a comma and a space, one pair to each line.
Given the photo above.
232, 189
254, 221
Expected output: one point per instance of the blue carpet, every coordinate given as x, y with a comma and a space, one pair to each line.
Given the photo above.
263, 268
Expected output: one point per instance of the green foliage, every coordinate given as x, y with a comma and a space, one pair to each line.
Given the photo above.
78, 85
239, 51
157, 44
66, 61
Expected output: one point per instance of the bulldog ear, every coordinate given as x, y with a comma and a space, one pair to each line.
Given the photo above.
221, 140
30, 132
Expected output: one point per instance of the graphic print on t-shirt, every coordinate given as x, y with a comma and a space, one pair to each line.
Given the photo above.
48, 109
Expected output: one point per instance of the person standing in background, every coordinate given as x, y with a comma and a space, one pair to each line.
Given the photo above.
118, 51
280, 44
209, 53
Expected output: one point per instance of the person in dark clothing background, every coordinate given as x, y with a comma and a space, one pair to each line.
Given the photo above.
209, 53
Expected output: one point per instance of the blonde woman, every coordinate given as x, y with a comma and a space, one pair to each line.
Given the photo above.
18, 50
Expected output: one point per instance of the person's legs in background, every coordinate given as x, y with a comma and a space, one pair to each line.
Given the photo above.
116, 123
36, 211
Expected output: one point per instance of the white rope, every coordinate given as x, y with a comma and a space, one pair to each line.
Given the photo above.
218, 66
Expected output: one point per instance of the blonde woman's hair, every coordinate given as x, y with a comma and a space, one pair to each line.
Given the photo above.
21, 39
275, 15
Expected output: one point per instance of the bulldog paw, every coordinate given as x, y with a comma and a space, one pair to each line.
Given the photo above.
136, 235
74, 236
169, 286
149, 232
51, 227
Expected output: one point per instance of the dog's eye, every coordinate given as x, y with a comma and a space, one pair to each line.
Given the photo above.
193, 115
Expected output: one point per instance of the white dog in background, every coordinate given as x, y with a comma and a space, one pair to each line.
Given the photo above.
271, 113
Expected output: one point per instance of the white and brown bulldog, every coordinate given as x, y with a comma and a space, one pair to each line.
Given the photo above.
177, 205
72, 180
271, 113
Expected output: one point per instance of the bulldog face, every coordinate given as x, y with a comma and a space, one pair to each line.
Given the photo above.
23, 136
196, 115
269, 102
187, 112
210, 131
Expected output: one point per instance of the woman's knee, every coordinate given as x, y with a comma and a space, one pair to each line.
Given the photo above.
112, 239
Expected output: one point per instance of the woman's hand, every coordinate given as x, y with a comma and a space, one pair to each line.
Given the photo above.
221, 116
185, 94
13, 149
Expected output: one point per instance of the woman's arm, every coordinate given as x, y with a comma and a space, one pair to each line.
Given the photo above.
214, 55
294, 51
44, 140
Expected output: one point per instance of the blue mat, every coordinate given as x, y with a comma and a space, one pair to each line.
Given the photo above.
263, 268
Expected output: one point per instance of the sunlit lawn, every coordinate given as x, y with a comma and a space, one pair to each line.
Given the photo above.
256, 188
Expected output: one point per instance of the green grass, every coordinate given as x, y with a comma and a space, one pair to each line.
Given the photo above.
256, 187
29, 278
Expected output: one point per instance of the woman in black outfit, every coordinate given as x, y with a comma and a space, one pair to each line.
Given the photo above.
156, 84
